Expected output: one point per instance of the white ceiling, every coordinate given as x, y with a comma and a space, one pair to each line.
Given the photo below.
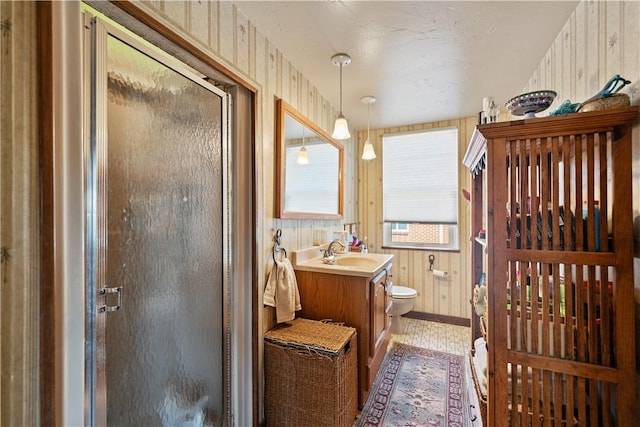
423, 60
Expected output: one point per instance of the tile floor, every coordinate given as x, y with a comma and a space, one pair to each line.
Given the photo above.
443, 337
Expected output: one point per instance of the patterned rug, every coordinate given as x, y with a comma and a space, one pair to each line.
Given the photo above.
417, 387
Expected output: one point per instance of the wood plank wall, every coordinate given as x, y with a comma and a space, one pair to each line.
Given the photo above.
599, 40
20, 237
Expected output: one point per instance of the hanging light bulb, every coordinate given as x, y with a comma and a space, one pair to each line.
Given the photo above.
341, 127
367, 152
303, 156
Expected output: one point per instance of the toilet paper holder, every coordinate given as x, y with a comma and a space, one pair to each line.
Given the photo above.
437, 273
440, 273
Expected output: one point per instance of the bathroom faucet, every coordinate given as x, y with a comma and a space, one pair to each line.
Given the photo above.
328, 253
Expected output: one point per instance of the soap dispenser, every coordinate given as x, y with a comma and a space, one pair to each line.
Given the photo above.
363, 246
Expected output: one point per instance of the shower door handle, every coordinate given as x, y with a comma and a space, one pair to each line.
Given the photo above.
106, 291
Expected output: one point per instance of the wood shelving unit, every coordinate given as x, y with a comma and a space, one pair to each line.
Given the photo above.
561, 347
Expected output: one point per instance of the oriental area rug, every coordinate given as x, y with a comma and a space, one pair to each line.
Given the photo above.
417, 387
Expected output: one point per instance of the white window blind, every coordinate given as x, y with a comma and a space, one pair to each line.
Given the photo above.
420, 176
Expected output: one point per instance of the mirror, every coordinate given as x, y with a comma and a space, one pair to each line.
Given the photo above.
312, 190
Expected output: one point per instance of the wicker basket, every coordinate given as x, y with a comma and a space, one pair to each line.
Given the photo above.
482, 399
615, 101
310, 374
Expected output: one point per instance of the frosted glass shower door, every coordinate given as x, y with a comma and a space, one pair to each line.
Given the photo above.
159, 187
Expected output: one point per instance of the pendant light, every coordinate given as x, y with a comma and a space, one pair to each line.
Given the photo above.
367, 152
341, 127
303, 156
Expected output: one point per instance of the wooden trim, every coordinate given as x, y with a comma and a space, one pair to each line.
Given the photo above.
564, 366
255, 288
44, 12
440, 318
281, 111
477, 247
572, 257
171, 35
593, 121
625, 313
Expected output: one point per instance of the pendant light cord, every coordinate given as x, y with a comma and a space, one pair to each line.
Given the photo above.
341, 127
368, 109
341, 88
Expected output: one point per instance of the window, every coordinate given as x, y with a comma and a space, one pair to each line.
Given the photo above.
399, 227
420, 189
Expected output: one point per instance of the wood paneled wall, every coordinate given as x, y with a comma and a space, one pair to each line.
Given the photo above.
599, 40
442, 296
19, 216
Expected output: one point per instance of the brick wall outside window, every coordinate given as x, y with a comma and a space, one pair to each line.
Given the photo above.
422, 233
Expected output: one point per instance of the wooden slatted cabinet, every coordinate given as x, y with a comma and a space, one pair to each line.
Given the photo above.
561, 339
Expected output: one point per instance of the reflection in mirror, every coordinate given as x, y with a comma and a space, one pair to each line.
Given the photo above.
312, 189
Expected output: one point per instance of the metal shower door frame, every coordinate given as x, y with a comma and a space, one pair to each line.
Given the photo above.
97, 30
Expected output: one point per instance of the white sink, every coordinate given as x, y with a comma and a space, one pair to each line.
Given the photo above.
350, 264
357, 261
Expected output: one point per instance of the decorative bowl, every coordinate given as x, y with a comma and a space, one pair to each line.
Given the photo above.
528, 104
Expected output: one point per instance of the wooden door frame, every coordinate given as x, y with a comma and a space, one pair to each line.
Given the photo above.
48, 356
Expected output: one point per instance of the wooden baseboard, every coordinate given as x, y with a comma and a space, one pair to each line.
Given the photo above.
452, 320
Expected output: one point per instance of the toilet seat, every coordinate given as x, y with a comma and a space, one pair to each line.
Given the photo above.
402, 292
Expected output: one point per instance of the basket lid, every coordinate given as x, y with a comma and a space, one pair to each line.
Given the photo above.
311, 333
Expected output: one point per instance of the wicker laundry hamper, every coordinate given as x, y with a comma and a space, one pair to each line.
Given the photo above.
310, 374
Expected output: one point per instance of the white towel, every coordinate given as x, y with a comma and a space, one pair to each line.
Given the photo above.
282, 292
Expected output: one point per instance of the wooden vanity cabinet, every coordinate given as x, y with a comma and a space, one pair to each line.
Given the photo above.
380, 320
360, 302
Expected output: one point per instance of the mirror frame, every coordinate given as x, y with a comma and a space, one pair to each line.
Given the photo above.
282, 110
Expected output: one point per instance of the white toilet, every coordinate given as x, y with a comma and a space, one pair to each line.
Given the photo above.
403, 299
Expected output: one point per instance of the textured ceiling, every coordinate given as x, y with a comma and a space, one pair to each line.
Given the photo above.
423, 61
